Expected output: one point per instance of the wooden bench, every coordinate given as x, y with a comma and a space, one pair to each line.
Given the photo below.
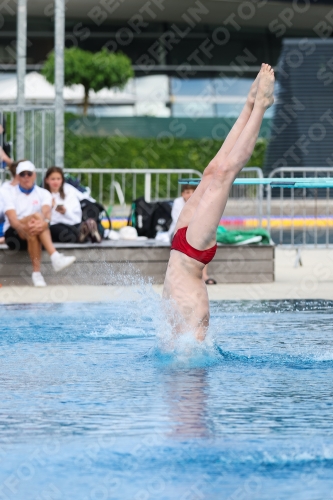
126, 262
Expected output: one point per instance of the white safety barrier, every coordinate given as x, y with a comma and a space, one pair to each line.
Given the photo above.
302, 216
155, 184
122, 186
129, 184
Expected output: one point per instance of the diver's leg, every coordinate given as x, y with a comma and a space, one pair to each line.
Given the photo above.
201, 233
192, 204
239, 125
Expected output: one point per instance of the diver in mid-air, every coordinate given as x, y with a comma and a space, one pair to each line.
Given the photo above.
194, 242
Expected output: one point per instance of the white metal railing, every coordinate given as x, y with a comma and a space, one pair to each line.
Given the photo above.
156, 184
153, 184
122, 186
128, 184
119, 191
303, 216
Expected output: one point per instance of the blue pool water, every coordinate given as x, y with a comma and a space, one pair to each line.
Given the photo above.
93, 408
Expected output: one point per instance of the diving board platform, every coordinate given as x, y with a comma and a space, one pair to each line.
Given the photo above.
285, 182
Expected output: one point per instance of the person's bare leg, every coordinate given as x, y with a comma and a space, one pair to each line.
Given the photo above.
238, 127
35, 242
201, 232
45, 237
35, 252
205, 275
26, 219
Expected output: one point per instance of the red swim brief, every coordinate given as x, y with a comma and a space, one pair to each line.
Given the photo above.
180, 243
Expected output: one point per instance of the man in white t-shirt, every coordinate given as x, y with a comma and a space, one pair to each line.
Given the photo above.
178, 205
27, 209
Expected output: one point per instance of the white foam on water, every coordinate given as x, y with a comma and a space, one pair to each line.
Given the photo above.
150, 315
278, 455
324, 357
188, 352
181, 350
143, 313
147, 314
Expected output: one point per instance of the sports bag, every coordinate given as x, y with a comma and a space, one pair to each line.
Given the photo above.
162, 219
149, 218
95, 211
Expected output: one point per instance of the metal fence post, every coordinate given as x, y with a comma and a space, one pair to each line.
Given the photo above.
261, 196
148, 187
43, 144
269, 199
21, 51
59, 81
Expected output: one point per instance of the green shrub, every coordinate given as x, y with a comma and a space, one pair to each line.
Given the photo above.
130, 152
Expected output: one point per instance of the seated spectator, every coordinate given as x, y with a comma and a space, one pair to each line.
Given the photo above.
186, 192
7, 186
66, 215
28, 210
5, 149
4, 158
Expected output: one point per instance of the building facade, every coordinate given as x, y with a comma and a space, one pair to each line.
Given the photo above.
192, 58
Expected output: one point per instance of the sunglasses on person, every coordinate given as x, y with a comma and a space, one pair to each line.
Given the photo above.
26, 173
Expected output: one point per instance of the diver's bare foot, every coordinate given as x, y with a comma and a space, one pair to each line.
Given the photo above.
253, 90
264, 97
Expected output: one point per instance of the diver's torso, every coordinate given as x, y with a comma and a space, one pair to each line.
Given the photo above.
186, 293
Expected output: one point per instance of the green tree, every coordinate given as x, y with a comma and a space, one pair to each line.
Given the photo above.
103, 69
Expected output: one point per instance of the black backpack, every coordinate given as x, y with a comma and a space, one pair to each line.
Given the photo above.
96, 211
149, 218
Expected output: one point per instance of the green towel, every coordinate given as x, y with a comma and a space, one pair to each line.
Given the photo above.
236, 237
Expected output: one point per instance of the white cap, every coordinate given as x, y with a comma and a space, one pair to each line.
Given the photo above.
25, 166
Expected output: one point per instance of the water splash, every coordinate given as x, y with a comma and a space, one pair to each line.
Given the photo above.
186, 352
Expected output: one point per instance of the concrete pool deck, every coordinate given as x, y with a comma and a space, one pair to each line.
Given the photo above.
313, 280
